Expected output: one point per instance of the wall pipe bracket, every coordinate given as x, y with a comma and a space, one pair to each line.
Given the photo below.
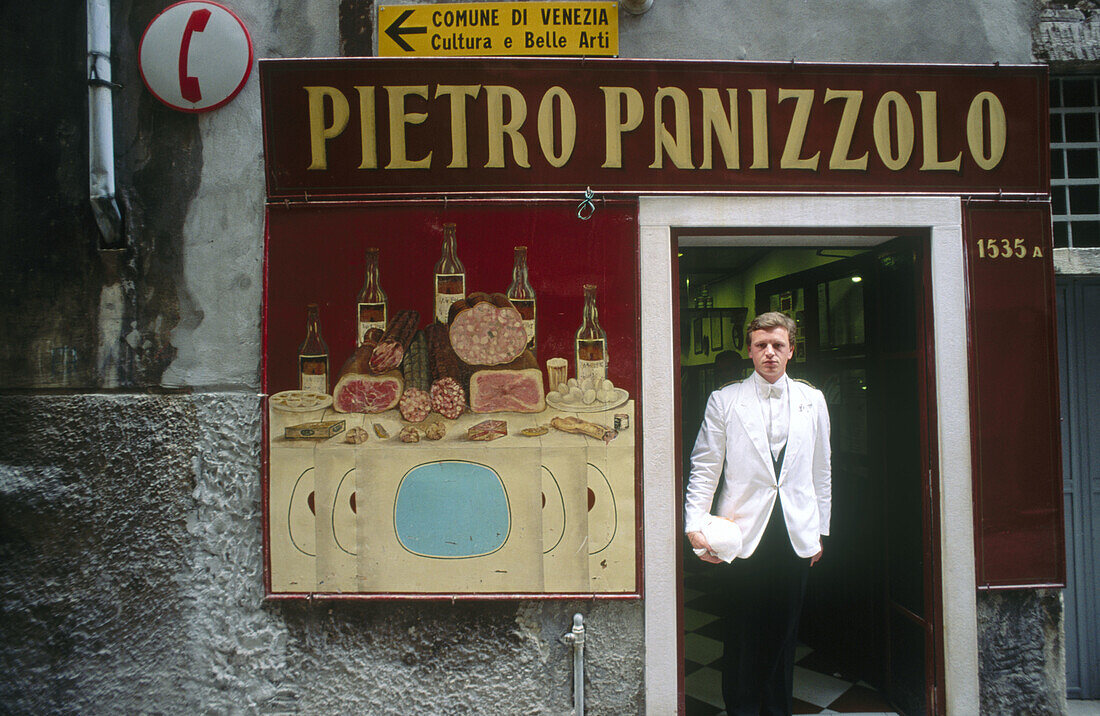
636, 7
575, 638
101, 142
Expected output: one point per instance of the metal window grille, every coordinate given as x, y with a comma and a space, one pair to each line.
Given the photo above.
1075, 160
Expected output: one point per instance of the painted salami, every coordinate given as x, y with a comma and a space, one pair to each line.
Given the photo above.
442, 359
390, 350
416, 365
415, 404
487, 330
448, 398
497, 391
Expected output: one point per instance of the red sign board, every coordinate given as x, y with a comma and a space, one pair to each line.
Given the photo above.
376, 126
1014, 401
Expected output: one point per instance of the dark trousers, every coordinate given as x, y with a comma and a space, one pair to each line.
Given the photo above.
765, 595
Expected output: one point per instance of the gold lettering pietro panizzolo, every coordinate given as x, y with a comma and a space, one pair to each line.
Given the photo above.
697, 129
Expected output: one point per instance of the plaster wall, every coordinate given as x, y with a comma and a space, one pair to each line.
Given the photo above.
978, 31
221, 237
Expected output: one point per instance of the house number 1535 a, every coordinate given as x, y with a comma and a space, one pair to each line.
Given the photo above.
1006, 249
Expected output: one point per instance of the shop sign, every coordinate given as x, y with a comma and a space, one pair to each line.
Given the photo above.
1018, 530
195, 56
499, 28
369, 126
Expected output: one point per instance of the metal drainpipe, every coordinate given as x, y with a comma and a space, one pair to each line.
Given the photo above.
576, 639
101, 143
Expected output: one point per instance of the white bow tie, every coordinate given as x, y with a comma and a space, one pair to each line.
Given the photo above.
771, 390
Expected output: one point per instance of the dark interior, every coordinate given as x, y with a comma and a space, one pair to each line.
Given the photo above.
869, 609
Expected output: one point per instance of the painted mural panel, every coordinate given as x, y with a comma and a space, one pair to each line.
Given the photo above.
291, 522
452, 399
335, 496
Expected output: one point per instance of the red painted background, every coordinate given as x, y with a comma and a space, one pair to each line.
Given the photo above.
1014, 401
315, 255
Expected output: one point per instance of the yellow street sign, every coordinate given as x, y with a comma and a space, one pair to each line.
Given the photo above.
499, 28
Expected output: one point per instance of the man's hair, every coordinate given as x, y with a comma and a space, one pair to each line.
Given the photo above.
769, 320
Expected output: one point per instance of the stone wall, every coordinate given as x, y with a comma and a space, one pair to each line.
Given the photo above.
1022, 659
131, 582
1068, 35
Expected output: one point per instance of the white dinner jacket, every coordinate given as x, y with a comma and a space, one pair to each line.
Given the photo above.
733, 447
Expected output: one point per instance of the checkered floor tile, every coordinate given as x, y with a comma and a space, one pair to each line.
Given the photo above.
818, 689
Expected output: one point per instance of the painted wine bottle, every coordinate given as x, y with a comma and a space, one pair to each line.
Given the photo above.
313, 355
591, 342
522, 295
450, 276
371, 301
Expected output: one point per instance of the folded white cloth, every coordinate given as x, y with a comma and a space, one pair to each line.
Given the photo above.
724, 537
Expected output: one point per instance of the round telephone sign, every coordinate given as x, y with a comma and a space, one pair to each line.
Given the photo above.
195, 56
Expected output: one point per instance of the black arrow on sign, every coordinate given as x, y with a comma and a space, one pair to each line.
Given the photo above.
395, 31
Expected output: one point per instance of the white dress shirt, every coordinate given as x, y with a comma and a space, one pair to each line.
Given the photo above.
775, 406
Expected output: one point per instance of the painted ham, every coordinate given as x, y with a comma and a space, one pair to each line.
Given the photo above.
514, 391
367, 393
358, 390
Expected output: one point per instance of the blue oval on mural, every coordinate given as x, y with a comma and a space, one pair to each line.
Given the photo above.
451, 509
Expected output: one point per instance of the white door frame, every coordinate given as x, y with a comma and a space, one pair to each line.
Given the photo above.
941, 217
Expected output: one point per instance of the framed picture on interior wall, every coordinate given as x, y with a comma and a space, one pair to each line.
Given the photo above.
733, 325
697, 336
716, 331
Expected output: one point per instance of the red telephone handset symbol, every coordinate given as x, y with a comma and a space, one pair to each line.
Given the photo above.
189, 86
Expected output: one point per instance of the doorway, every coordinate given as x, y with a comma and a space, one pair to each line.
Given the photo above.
1078, 349
660, 222
868, 636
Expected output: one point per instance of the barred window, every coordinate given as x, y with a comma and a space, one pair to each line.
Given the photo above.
1075, 160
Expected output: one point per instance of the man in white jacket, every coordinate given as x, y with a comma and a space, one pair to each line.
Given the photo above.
764, 442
